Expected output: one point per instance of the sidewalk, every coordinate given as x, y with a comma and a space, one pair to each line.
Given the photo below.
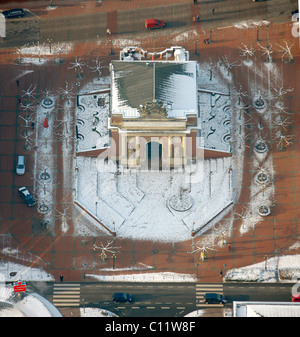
72, 253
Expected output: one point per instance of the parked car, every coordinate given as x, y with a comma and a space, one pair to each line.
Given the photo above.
213, 298
13, 13
20, 168
121, 297
296, 298
26, 196
154, 23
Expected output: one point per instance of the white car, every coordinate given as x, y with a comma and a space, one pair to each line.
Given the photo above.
20, 168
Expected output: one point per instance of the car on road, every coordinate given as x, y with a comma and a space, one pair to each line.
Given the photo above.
154, 23
13, 13
26, 196
296, 298
213, 298
121, 297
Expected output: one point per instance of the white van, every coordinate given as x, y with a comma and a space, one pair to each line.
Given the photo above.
20, 169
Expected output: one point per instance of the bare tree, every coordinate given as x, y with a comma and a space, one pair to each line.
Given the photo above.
247, 218
240, 94
63, 136
63, 217
77, 66
26, 135
67, 92
66, 122
241, 141
242, 215
27, 106
27, 121
59, 49
97, 68
211, 68
280, 93
282, 123
268, 52
227, 64
106, 248
286, 50
38, 49
246, 51
220, 229
29, 93
284, 141
202, 250
66, 109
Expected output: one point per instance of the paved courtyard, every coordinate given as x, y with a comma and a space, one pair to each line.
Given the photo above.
59, 237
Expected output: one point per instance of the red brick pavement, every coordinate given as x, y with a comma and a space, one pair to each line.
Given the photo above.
73, 255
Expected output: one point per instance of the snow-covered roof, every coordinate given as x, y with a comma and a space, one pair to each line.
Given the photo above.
266, 309
29, 304
138, 82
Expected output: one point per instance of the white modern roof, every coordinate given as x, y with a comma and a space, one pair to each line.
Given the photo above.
266, 309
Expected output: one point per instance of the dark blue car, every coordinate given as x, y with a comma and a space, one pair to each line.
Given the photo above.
121, 297
26, 196
13, 13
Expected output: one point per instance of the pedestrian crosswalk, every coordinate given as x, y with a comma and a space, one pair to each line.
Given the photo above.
66, 294
203, 288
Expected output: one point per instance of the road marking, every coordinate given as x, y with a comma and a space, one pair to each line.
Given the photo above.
150, 307
55, 296
165, 307
203, 305
66, 294
203, 288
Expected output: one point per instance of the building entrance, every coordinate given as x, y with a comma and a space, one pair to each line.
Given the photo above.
154, 155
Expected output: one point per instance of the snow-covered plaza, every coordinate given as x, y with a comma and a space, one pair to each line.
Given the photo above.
166, 205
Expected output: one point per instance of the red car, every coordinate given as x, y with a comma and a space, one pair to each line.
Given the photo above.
296, 298
154, 23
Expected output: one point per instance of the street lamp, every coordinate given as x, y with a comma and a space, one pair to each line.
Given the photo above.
49, 40
266, 259
210, 39
267, 28
196, 42
108, 32
257, 31
197, 265
114, 257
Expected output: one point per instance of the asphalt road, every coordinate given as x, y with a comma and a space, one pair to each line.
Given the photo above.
31, 28
269, 292
164, 299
